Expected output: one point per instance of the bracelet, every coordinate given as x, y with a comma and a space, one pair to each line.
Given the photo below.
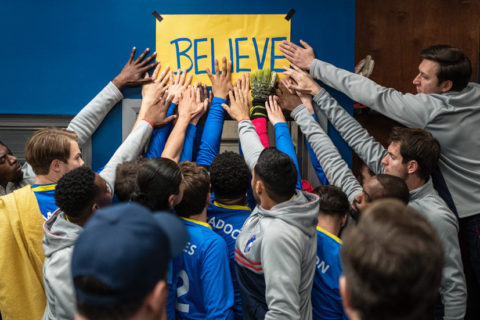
245, 119
148, 122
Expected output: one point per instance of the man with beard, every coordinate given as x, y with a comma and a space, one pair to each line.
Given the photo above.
11, 174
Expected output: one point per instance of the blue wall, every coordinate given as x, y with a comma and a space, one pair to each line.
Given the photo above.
56, 55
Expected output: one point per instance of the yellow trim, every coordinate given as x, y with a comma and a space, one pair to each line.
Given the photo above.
198, 222
233, 206
45, 188
334, 237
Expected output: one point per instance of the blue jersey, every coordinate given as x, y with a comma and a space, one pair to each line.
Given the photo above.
227, 221
45, 194
326, 301
201, 275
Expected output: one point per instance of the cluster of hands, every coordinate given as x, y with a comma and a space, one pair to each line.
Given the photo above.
160, 89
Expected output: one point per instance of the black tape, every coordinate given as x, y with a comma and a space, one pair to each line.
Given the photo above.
290, 14
157, 15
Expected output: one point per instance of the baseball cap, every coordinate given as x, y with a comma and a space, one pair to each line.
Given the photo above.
126, 248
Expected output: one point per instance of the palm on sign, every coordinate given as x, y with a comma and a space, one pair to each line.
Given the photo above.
302, 81
300, 56
132, 74
178, 84
222, 81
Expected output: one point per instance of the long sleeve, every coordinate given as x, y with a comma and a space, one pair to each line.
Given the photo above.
128, 150
285, 144
187, 151
212, 133
89, 118
410, 110
250, 143
362, 143
313, 158
335, 167
160, 136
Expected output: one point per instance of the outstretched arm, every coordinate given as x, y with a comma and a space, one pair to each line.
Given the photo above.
212, 132
89, 118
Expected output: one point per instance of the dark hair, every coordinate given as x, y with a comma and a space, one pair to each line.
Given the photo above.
419, 145
333, 201
47, 145
229, 175
117, 311
392, 262
197, 187
76, 191
454, 65
126, 179
394, 187
157, 180
278, 173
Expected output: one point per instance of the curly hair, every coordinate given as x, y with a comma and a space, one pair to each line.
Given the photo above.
76, 191
229, 175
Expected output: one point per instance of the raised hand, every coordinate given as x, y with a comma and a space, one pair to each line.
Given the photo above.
133, 72
239, 104
221, 82
303, 82
275, 113
300, 56
287, 99
304, 97
191, 106
178, 84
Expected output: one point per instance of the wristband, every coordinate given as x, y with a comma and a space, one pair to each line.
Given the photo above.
244, 119
148, 122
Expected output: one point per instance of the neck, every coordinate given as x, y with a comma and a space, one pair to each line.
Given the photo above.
236, 201
413, 182
329, 223
202, 216
46, 179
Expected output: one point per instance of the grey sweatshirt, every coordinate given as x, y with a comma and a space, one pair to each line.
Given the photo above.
60, 236
451, 117
424, 199
279, 244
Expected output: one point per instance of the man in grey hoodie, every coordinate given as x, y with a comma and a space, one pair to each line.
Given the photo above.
275, 251
78, 194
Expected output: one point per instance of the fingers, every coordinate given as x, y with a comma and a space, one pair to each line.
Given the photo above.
156, 71
182, 77
170, 119
148, 60
132, 55
210, 75
163, 76
305, 45
144, 53
217, 68
224, 67
189, 80
229, 69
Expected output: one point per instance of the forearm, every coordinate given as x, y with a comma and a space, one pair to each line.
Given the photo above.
335, 167
89, 118
212, 133
285, 144
128, 150
262, 130
357, 137
250, 143
174, 145
410, 110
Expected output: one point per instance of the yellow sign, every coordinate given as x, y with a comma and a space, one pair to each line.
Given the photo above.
194, 41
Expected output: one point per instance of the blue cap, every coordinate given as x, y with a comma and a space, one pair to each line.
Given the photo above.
126, 248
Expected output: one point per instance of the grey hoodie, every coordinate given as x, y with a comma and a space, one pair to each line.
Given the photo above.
276, 249
452, 118
60, 236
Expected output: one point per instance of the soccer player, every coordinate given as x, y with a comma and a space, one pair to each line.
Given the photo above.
201, 275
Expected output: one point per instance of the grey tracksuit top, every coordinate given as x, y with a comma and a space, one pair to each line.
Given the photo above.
451, 117
84, 125
60, 236
279, 244
424, 199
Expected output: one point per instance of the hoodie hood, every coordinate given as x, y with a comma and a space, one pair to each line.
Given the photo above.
300, 211
59, 233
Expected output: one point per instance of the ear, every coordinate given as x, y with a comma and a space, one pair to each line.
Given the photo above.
344, 221
95, 207
55, 166
259, 186
446, 86
209, 196
171, 201
156, 300
412, 166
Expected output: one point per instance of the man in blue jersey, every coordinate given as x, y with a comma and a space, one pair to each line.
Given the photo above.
226, 214
201, 275
332, 216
